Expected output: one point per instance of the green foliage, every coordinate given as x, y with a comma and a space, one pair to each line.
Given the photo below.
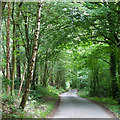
54, 90
6, 82
37, 109
40, 93
40, 103
74, 48
115, 109
8, 99
104, 100
10, 107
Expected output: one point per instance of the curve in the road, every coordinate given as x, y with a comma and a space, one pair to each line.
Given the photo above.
72, 106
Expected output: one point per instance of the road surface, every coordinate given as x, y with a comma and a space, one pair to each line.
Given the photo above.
72, 106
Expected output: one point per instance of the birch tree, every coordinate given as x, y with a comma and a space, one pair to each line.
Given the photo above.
33, 58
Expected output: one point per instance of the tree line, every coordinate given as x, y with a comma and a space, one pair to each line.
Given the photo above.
61, 44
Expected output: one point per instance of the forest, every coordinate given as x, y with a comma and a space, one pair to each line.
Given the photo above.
47, 48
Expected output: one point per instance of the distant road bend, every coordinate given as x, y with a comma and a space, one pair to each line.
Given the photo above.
72, 106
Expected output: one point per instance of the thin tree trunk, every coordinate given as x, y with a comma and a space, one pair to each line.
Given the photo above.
51, 76
119, 65
18, 45
3, 50
13, 53
0, 34
22, 80
1, 68
35, 74
119, 74
3, 71
8, 47
3, 5
45, 74
33, 59
91, 88
94, 84
0, 56
15, 21
113, 73
13, 61
18, 64
34, 78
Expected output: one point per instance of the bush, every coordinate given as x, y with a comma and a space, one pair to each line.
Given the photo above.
42, 92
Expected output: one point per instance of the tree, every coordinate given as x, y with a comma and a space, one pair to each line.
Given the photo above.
33, 58
103, 26
78, 46
15, 36
0, 29
8, 47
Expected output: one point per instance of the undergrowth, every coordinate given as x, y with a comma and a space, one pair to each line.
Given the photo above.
39, 104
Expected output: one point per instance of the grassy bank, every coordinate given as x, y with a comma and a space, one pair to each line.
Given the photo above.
109, 103
39, 105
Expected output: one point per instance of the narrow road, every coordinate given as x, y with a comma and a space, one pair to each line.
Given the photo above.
72, 106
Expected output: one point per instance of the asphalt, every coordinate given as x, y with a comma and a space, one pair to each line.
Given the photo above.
72, 106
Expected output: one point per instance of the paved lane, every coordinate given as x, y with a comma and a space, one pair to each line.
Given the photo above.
72, 106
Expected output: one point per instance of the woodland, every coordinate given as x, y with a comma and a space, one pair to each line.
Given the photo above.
50, 47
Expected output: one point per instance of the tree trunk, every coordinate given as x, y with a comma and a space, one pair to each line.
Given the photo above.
15, 35
34, 78
23, 76
119, 66
17, 44
51, 82
58, 80
18, 64
94, 84
113, 73
3, 50
33, 59
0, 56
91, 88
45, 75
35, 74
13, 52
3, 5
1, 36
13, 60
118, 75
8, 47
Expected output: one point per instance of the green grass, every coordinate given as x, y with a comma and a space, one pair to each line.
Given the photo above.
115, 109
42, 101
110, 103
35, 109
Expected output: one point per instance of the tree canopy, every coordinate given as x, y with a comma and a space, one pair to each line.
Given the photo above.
63, 45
